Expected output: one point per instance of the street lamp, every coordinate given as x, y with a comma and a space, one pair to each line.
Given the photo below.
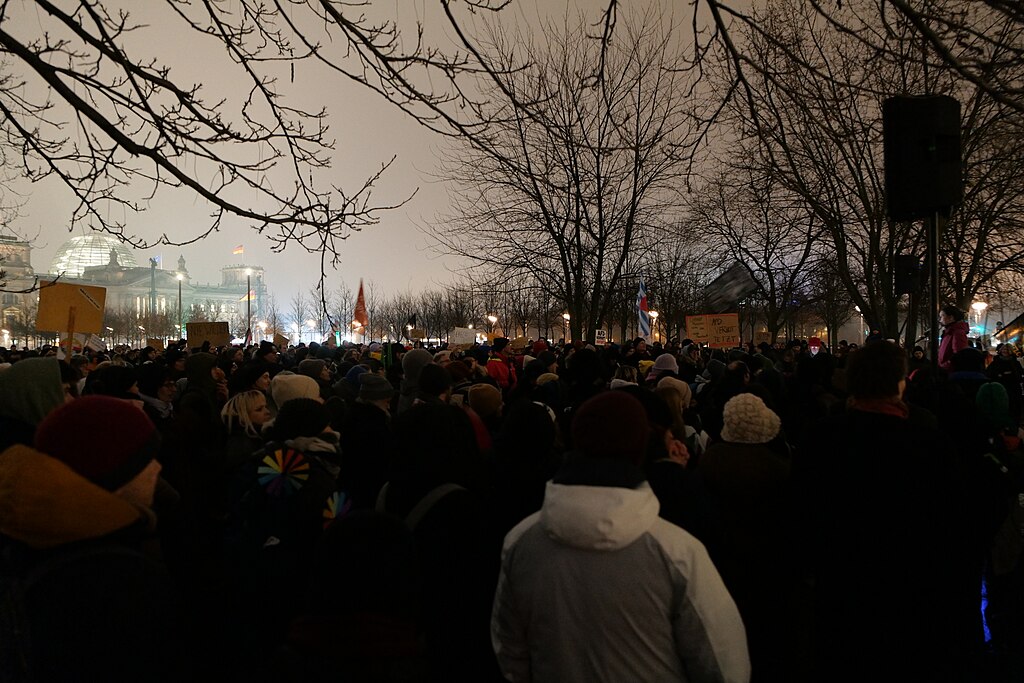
491, 319
142, 331
654, 322
978, 307
180, 323
248, 304
861, 313
565, 331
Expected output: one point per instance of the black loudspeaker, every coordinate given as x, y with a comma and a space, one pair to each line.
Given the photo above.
906, 274
923, 172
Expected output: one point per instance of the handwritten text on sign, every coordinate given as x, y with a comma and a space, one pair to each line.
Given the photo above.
724, 330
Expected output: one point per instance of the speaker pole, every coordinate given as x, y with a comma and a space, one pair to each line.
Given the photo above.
934, 232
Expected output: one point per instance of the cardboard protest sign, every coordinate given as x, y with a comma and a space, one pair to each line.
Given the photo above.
723, 330
215, 333
601, 336
157, 344
462, 336
417, 333
519, 343
697, 328
65, 307
280, 341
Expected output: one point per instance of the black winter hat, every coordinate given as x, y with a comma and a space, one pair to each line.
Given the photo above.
300, 417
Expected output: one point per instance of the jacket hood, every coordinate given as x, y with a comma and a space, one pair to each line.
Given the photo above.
198, 369
30, 389
44, 503
956, 326
598, 517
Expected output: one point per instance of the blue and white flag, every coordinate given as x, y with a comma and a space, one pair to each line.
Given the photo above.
642, 313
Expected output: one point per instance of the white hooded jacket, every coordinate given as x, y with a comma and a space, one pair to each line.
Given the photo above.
597, 587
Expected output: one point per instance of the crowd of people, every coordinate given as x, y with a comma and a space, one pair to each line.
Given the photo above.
553, 511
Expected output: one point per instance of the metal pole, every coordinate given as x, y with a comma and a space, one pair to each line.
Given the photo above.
248, 303
934, 231
181, 325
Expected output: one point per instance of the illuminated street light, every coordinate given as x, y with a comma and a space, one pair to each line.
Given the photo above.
654, 322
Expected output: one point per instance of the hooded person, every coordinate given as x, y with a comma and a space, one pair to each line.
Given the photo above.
29, 390
500, 367
569, 573
413, 363
74, 525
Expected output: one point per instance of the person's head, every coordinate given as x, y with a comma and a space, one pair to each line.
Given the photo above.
918, 353
949, 314
301, 417
626, 373
106, 441
288, 386
485, 400
1005, 350
876, 371
156, 382
746, 419
376, 390
611, 425
316, 368
640, 345
247, 412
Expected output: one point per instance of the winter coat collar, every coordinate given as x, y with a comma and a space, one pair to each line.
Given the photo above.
44, 503
598, 517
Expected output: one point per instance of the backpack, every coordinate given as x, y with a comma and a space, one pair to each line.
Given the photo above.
281, 501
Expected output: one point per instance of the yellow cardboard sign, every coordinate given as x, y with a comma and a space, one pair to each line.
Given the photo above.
215, 333
57, 301
417, 333
723, 330
697, 328
157, 344
281, 341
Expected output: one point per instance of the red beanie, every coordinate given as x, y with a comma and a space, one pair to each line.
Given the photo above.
612, 424
106, 440
539, 347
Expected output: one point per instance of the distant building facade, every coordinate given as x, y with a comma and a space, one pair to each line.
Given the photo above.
135, 294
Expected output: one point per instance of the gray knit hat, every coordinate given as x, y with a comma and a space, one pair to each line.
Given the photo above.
374, 387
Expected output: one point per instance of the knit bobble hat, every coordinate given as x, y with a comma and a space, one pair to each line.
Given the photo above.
106, 440
288, 387
374, 387
748, 420
613, 425
666, 361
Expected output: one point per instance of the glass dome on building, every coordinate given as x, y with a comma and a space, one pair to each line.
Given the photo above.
80, 252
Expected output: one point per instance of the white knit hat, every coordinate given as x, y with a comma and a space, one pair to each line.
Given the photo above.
285, 386
748, 420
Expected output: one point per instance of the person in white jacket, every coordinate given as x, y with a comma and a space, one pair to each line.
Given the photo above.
596, 587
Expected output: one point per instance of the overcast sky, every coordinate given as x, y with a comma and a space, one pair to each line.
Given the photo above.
394, 254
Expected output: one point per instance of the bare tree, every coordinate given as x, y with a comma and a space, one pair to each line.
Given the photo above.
566, 188
747, 217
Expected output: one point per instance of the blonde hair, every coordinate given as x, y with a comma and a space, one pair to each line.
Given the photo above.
235, 413
674, 400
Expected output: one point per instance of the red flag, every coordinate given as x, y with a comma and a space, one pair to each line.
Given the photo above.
360, 315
